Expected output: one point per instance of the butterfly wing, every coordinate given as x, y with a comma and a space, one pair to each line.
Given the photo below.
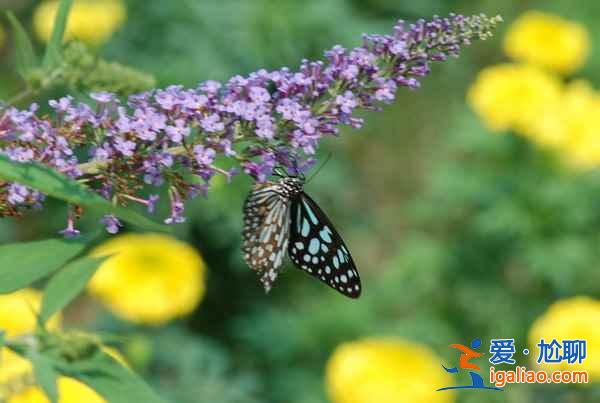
266, 230
316, 248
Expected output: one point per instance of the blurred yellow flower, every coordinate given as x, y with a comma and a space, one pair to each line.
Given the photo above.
16, 378
580, 115
386, 371
151, 278
13, 367
513, 96
17, 317
69, 390
547, 41
568, 319
18, 312
571, 127
91, 21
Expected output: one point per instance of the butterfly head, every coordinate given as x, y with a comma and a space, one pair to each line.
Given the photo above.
293, 184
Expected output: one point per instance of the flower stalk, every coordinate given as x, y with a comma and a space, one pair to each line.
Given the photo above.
174, 136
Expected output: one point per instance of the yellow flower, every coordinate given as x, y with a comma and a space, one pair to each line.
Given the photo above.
13, 367
571, 127
581, 125
568, 319
548, 41
513, 96
17, 317
151, 278
386, 371
18, 312
69, 391
92, 22
16, 379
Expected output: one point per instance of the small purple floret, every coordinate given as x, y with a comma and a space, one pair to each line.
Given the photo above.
111, 223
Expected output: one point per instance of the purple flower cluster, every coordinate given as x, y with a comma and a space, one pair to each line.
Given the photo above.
174, 136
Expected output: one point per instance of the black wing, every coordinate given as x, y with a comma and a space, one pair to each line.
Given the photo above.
317, 248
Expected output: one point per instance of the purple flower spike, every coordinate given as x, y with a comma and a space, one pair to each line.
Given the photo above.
177, 136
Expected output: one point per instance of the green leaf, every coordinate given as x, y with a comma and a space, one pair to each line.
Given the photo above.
57, 185
26, 59
23, 263
66, 284
45, 375
111, 380
1, 344
52, 57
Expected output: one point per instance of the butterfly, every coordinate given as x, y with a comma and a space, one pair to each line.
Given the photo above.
278, 217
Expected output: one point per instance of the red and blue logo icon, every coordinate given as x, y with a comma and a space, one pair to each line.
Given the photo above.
467, 354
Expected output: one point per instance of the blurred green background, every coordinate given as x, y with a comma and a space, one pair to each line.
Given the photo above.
457, 232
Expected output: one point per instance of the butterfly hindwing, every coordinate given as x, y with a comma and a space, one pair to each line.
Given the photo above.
266, 230
316, 248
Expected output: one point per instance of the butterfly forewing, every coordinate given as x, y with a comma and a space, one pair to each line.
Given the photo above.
266, 230
317, 248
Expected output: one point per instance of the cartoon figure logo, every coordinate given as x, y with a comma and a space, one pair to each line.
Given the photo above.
465, 363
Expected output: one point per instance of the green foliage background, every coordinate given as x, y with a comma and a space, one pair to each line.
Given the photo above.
458, 233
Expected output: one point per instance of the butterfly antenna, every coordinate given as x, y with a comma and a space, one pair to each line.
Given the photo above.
319, 168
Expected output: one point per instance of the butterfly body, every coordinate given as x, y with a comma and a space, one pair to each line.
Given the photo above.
280, 217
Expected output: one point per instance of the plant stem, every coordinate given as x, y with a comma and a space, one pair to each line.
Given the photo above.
94, 167
22, 96
31, 92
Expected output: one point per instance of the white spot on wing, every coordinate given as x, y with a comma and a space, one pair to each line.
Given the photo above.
325, 234
311, 214
305, 227
313, 247
298, 216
